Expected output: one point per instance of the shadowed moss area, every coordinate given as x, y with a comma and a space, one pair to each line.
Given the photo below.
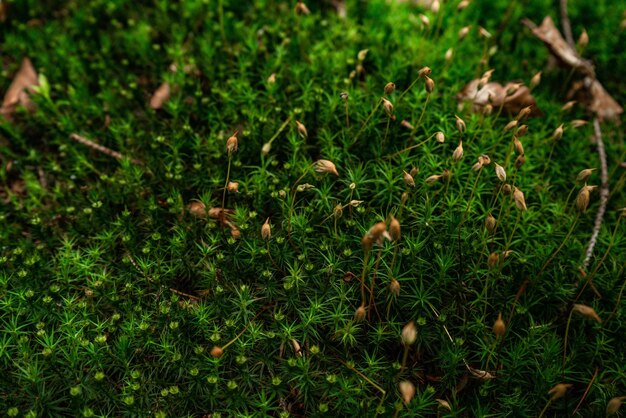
360, 256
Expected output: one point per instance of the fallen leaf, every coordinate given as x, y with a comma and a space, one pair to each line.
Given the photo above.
17, 94
160, 96
559, 47
593, 95
495, 94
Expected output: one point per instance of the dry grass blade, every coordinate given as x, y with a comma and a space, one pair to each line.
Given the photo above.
17, 94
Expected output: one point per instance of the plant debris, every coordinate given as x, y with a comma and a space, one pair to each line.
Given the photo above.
559, 48
18, 92
594, 96
511, 97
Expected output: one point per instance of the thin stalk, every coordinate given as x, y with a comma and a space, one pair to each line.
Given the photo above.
554, 254
382, 399
509, 151
269, 254
495, 197
220, 12
376, 265
282, 128
419, 121
410, 148
227, 178
293, 198
356, 138
292, 204
545, 408
493, 347
386, 133
508, 243
569, 196
393, 260
469, 203
368, 380
545, 167
365, 262
483, 58
606, 253
569, 320
595, 374
347, 117
486, 289
404, 357
407, 90
499, 112
511, 198
618, 185
263, 309
619, 298
480, 125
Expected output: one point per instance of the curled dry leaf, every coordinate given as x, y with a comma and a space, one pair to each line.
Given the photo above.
17, 94
595, 97
602, 104
495, 94
160, 96
558, 46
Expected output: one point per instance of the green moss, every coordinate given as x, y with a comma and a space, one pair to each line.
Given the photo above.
113, 296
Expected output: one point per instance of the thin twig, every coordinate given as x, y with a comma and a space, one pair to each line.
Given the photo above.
100, 148
367, 379
595, 374
604, 193
178, 292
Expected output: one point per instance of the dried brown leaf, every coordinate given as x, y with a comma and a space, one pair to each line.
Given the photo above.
17, 94
602, 104
559, 47
595, 97
495, 95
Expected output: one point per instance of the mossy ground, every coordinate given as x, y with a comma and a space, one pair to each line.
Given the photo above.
112, 295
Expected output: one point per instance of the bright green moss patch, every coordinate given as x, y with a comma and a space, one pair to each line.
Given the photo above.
123, 294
